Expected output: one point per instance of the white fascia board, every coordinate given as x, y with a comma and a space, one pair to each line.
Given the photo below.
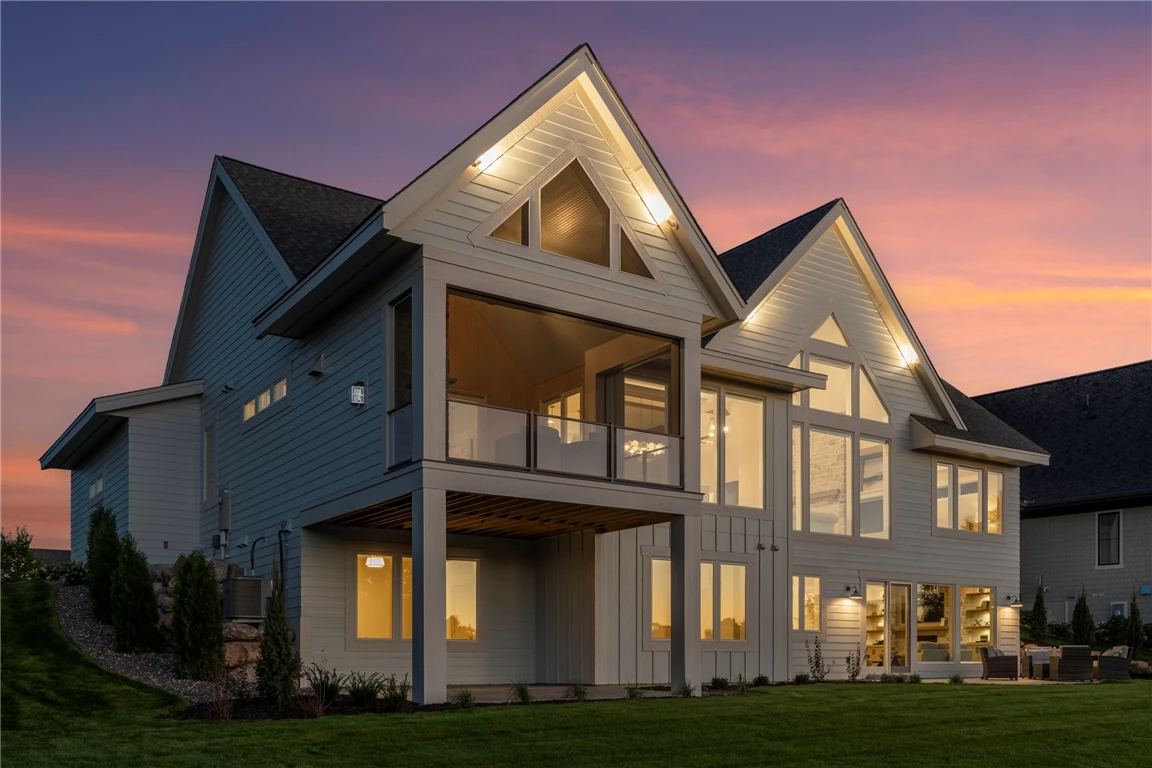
924, 439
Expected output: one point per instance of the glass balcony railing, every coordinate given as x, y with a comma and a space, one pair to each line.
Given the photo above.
538, 442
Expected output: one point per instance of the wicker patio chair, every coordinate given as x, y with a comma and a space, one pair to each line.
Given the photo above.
1073, 662
1116, 666
996, 663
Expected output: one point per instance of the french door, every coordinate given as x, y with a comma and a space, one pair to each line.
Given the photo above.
887, 607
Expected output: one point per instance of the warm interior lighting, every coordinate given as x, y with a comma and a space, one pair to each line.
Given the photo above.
374, 561
489, 157
909, 355
658, 208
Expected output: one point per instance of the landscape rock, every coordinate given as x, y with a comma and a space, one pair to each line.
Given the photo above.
156, 571
1141, 668
158, 589
234, 631
166, 575
165, 603
219, 569
166, 621
239, 654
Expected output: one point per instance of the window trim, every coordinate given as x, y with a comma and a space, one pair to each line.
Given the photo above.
1119, 541
954, 502
648, 553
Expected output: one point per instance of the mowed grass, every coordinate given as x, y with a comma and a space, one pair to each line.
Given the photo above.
60, 709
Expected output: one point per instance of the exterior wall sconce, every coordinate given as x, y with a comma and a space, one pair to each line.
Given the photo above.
852, 592
358, 393
1013, 601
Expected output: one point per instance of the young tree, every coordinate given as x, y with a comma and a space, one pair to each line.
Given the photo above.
103, 556
17, 560
1083, 625
197, 618
134, 614
278, 669
1038, 619
1136, 636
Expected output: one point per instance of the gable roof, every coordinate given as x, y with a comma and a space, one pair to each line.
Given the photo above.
749, 264
981, 425
1098, 428
305, 220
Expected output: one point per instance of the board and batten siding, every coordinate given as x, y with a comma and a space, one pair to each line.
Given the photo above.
111, 461
826, 279
506, 606
308, 447
464, 210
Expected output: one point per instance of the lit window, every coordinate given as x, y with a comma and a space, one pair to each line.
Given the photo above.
837, 395
661, 599
707, 606
733, 583
461, 600
645, 404
874, 488
263, 400
406, 598
830, 331
743, 451
709, 442
514, 229
944, 495
797, 477
279, 390
829, 478
249, 409
630, 260
870, 406
976, 620
806, 603
374, 596
968, 499
995, 502
574, 218
1108, 538
934, 623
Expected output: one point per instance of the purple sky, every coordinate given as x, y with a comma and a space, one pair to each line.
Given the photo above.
997, 156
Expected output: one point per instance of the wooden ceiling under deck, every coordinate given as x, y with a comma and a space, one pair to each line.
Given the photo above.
478, 514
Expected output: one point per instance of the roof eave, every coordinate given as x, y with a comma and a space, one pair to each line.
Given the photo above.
925, 440
781, 377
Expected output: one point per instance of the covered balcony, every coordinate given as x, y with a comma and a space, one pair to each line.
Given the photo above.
541, 392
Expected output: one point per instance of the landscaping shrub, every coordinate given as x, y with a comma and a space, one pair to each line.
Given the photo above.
324, 686
1114, 631
1037, 621
956, 679
576, 691
817, 669
17, 560
740, 685
363, 688
395, 694
197, 618
1060, 630
1083, 625
760, 680
227, 688
685, 690
68, 574
633, 692
1136, 635
801, 679
519, 693
134, 616
278, 668
719, 684
462, 698
853, 662
103, 556
914, 678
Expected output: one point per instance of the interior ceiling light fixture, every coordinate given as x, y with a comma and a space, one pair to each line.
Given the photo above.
374, 561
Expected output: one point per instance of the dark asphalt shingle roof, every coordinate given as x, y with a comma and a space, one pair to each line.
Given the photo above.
304, 219
749, 265
53, 556
982, 426
1097, 426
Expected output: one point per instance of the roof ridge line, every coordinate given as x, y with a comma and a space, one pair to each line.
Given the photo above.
1063, 378
782, 224
300, 178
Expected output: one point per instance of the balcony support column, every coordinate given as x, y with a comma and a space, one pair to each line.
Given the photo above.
429, 577
685, 541
430, 368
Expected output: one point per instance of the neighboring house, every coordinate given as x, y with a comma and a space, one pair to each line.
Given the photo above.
53, 556
521, 421
1087, 516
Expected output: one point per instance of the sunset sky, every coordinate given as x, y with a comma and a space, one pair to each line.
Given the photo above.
997, 157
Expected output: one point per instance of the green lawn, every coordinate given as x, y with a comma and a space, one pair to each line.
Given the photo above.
59, 709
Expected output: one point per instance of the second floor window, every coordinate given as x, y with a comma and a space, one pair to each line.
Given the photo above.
1108, 538
266, 398
969, 498
732, 427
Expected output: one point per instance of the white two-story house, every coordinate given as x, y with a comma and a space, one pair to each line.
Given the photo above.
520, 421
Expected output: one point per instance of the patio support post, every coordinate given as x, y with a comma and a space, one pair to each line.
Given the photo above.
429, 553
685, 541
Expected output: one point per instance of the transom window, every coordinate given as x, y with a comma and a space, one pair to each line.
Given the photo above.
841, 438
266, 398
569, 216
969, 498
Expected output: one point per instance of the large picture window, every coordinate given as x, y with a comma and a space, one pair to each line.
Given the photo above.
1108, 538
461, 620
969, 498
829, 481
934, 623
709, 444
733, 604
874, 488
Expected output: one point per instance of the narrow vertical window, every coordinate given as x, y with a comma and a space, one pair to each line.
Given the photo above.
795, 602
406, 598
461, 600
874, 504
707, 606
263, 400
934, 623
968, 499
280, 390
733, 583
209, 462
661, 599
374, 596
1108, 538
977, 616
249, 409
829, 482
797, 477
402, 352
943, 495
709, 445
995, 502
743, 451
811, 604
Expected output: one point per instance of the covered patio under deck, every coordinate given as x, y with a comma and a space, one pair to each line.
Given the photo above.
431, 515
